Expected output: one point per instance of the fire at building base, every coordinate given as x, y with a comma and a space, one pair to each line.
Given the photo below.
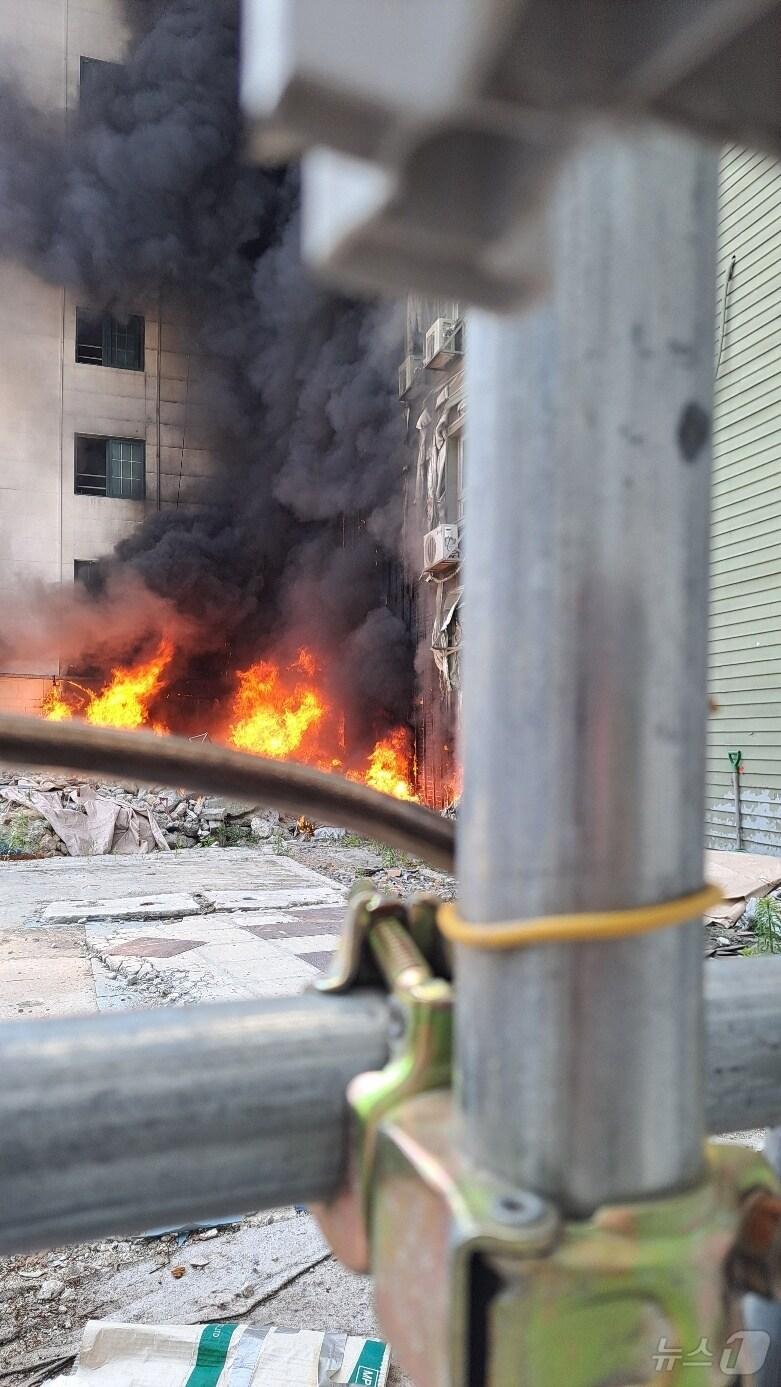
276, 710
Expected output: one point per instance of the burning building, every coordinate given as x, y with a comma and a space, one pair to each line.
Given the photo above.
431, 391
204, 455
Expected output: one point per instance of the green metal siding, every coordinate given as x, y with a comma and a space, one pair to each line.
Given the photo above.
745, 637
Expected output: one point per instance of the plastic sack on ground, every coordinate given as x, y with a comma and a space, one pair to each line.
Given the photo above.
223, 1355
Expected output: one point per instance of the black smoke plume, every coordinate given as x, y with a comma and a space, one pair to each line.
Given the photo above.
147, 193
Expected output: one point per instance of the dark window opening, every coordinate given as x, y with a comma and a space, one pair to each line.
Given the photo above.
105, 340
454, 480
110, 467
99, 81
89, 338
86, 571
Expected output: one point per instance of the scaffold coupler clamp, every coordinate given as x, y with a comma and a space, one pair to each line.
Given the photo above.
477, 1280
398, 947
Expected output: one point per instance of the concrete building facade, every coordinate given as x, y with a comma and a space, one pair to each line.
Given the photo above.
102, 422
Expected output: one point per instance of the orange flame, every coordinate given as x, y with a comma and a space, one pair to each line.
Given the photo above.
54, 706
274, 716
389, 766
125, 700
277, 711
281, 713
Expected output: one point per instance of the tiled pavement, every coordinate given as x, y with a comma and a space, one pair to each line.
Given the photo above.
214, 924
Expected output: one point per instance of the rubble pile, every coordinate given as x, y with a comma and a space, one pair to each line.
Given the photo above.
222, 1271
41, 817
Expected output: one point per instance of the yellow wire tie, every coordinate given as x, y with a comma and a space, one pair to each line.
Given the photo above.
578, 928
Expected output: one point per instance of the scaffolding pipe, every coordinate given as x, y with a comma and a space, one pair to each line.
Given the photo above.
584, 706
112, 1125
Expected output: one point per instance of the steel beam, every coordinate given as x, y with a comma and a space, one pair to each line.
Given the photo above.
585, 681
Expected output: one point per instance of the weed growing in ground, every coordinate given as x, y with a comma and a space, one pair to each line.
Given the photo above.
767, 927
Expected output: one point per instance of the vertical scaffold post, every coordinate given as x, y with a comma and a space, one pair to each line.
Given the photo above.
580, 1065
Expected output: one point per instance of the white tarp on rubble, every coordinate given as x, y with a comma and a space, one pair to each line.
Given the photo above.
89, 824
223, 1355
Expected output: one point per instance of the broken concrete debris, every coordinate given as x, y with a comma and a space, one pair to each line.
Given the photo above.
40, 817
130, 1279
50, 1289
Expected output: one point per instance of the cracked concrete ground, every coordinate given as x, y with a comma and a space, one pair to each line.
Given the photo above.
206, 924
80, 935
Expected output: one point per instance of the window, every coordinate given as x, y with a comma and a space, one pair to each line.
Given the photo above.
85, 571
110, 467
105, 340
99, 81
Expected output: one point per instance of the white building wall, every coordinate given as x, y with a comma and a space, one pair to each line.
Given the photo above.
46, 397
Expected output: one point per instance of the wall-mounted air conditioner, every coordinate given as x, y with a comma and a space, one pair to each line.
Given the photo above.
444, 341
407, 372
441, 549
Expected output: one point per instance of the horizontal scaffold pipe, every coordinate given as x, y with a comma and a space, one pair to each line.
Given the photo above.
114, 1125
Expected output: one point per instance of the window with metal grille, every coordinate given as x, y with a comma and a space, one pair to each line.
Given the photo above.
105, 340
110, 467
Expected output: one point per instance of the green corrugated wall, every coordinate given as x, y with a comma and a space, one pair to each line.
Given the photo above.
745, 637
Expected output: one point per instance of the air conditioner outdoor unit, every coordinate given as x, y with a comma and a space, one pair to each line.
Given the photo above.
441, 549
444, 340
407, 373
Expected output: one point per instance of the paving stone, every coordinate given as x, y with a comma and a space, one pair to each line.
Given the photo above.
289, 928
323, 961
305, 943
46, 987
332, 916
287, 899
260, 968
44, 944
106, 934
150, 907
153, 948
